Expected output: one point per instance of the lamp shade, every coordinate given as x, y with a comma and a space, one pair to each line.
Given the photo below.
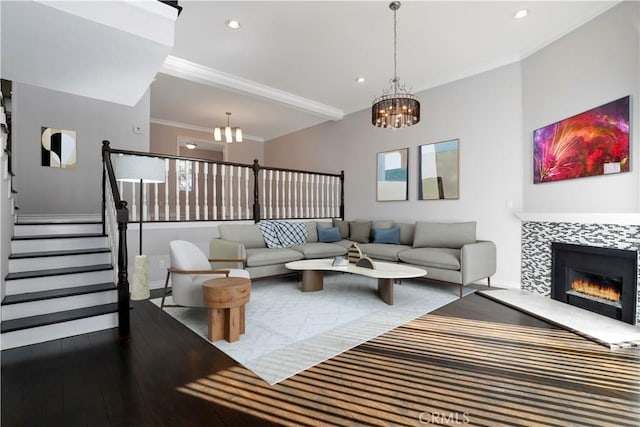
136, 168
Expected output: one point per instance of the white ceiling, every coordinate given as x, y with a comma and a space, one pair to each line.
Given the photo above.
104, 50
292, 64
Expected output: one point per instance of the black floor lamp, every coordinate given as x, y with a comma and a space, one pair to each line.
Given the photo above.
143, 170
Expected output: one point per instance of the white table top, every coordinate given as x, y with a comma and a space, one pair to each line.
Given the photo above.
383, 270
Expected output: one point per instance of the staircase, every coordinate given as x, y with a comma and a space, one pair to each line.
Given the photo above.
60, 283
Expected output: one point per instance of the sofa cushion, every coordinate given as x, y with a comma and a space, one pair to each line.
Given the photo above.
406, 232
386, 235
320, 250
359, 231
344, 243
312, 234
448, 259
382, 252
267, 256
247, 234
382, 223
343, 226
328, 235
452, 235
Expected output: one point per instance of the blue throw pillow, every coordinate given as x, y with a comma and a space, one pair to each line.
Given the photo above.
386, 235
328, 235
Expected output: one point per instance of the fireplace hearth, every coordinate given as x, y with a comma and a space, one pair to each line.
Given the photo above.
602, 280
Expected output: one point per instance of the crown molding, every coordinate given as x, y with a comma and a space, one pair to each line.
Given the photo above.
200, 128
188, 70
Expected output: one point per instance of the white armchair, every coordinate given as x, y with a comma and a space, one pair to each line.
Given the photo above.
189, 269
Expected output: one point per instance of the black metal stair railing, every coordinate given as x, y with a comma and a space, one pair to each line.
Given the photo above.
110, 192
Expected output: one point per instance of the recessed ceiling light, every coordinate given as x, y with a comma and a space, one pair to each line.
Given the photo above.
520, 14
360, 79
190, 145
233, 24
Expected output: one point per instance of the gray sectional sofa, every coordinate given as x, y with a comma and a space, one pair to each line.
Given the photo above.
448, 251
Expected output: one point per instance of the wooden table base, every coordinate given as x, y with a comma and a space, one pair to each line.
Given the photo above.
385, 290
312, 281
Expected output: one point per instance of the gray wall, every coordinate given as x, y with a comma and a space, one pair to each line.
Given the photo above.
595, 64
45, 191
483, 112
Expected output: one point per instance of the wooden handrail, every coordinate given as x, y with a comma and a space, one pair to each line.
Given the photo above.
122, 218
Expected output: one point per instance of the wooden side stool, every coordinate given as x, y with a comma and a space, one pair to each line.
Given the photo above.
225, 297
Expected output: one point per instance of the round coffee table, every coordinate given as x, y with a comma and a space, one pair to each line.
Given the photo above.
225, 297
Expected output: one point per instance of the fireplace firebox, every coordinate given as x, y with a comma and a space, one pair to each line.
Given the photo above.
602, 280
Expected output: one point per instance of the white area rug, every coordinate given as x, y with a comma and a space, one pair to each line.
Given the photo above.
288, 331
604, 330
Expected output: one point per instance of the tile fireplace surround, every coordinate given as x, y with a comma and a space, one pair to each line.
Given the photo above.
540, 230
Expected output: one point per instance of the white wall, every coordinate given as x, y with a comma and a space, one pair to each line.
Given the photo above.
595, 64
483, 112
53, 191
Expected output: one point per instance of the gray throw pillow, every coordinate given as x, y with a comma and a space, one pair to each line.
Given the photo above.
452, 235
360, 231
343, 227
406, 232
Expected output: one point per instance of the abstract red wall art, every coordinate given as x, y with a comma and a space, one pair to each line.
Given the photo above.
592, 143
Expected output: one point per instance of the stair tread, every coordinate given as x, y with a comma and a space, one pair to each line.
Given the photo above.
58, 293
59, 317
57, 271
27, 222
58, 236
43, 254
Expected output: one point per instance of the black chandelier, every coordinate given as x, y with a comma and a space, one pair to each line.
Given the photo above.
396, 107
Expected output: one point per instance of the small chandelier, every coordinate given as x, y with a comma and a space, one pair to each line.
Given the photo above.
229, 132
396, 107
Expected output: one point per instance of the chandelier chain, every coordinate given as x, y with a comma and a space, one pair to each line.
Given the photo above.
395, 55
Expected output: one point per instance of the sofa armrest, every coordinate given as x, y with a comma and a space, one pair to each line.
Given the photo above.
225, 249
477, 261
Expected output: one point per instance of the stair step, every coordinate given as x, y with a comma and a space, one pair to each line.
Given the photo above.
30, 261
22, 244
45, 283
57, 271
57, 293
58, 228
43, 254
59, 317
58, 236
22, 221
23, 337
58, 304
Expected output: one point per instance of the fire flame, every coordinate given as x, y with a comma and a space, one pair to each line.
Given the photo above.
595, 290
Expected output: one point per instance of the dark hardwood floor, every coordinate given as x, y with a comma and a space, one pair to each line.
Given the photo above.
472, 362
